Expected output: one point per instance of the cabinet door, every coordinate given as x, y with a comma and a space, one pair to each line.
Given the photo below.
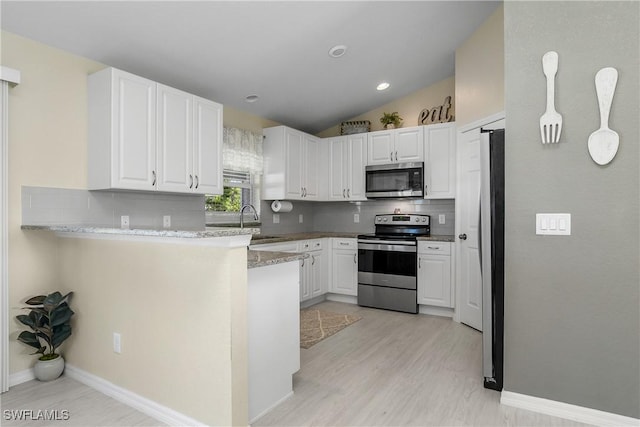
434, 280
380, 147
134, 132
409, 145
357, 160
318, 275
293, 163
306, 276
207, 146
174, 147
440, 161
337, 163
311, 169
345, 272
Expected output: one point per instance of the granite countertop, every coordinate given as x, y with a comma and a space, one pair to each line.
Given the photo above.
290, 237
189, 234
257, 259
438, 238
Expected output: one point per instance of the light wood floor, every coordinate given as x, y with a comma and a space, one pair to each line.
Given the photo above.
396, 369
85, 406
388, 369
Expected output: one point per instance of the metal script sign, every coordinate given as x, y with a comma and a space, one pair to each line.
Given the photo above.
440, 114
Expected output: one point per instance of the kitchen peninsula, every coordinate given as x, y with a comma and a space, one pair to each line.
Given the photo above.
194, 287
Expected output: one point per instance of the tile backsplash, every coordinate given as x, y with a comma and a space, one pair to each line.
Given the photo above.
339, 216
61, 206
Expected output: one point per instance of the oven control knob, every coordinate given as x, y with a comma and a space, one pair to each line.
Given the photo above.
417, 219
424, 219
385, 219
378, 219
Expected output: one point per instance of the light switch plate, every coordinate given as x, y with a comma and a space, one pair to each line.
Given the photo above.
356, 218
166, 221
441, 219
276, 218
300, 218
558, 224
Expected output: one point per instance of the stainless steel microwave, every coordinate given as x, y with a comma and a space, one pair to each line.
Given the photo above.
398, 180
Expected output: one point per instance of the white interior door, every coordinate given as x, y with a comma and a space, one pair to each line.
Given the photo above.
467, 225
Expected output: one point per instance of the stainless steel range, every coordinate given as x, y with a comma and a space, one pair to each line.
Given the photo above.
387, 262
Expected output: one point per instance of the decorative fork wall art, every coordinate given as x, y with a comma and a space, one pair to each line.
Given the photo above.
551, 120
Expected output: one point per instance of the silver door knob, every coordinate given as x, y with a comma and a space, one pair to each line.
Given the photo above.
462, 236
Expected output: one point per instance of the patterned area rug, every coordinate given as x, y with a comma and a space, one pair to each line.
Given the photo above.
316, 325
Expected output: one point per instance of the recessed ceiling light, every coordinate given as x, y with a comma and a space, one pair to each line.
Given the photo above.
383, 86
251, 98
337, 51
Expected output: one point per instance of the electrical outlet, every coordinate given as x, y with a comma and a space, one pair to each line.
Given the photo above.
117, 343
276, 218
124, 221
300, 219
166, 221
356, 218
441, 219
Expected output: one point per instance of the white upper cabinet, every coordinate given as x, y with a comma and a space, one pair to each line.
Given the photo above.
292, 164
347, 159
207, 156
122, 131
440, 161
396, 146
147, 136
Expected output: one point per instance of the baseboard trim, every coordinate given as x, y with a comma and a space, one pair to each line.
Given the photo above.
142, 404
21, 377
566, 410
288, 395
435, 311
349, 299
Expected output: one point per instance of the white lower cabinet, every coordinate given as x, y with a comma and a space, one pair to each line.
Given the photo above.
313, 270
435, 273
344, 267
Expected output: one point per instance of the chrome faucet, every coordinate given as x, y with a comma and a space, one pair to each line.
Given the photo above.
255, 214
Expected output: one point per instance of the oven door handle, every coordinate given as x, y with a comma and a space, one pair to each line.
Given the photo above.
388, 246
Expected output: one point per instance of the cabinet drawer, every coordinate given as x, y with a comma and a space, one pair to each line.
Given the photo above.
434, 248
345, 244
311, 245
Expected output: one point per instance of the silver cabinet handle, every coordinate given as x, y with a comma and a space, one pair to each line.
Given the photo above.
355, 258
301, 191
425, 189
432, 247
344, 244
197, 182
153, 184
419, 262
190, 181
462, 236
391, 156
313, 260
396, 156
302, 263
343, 195
348, 193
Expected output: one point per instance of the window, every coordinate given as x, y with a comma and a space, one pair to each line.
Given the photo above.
239, 190
242, 163
237, 193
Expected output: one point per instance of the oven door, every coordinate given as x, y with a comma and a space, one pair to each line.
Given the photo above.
387, 275
387, 263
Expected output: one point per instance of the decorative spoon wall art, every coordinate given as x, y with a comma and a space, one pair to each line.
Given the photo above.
603, 143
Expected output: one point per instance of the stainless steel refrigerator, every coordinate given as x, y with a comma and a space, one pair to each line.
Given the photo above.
492, 254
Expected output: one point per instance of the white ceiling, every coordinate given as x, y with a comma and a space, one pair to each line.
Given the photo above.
226, 50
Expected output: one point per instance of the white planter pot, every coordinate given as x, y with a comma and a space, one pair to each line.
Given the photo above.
48, 370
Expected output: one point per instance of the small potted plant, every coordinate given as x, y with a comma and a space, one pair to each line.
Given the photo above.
391, 120
50, 320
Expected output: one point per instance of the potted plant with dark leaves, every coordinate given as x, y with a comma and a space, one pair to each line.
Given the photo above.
391, 120
50, 321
